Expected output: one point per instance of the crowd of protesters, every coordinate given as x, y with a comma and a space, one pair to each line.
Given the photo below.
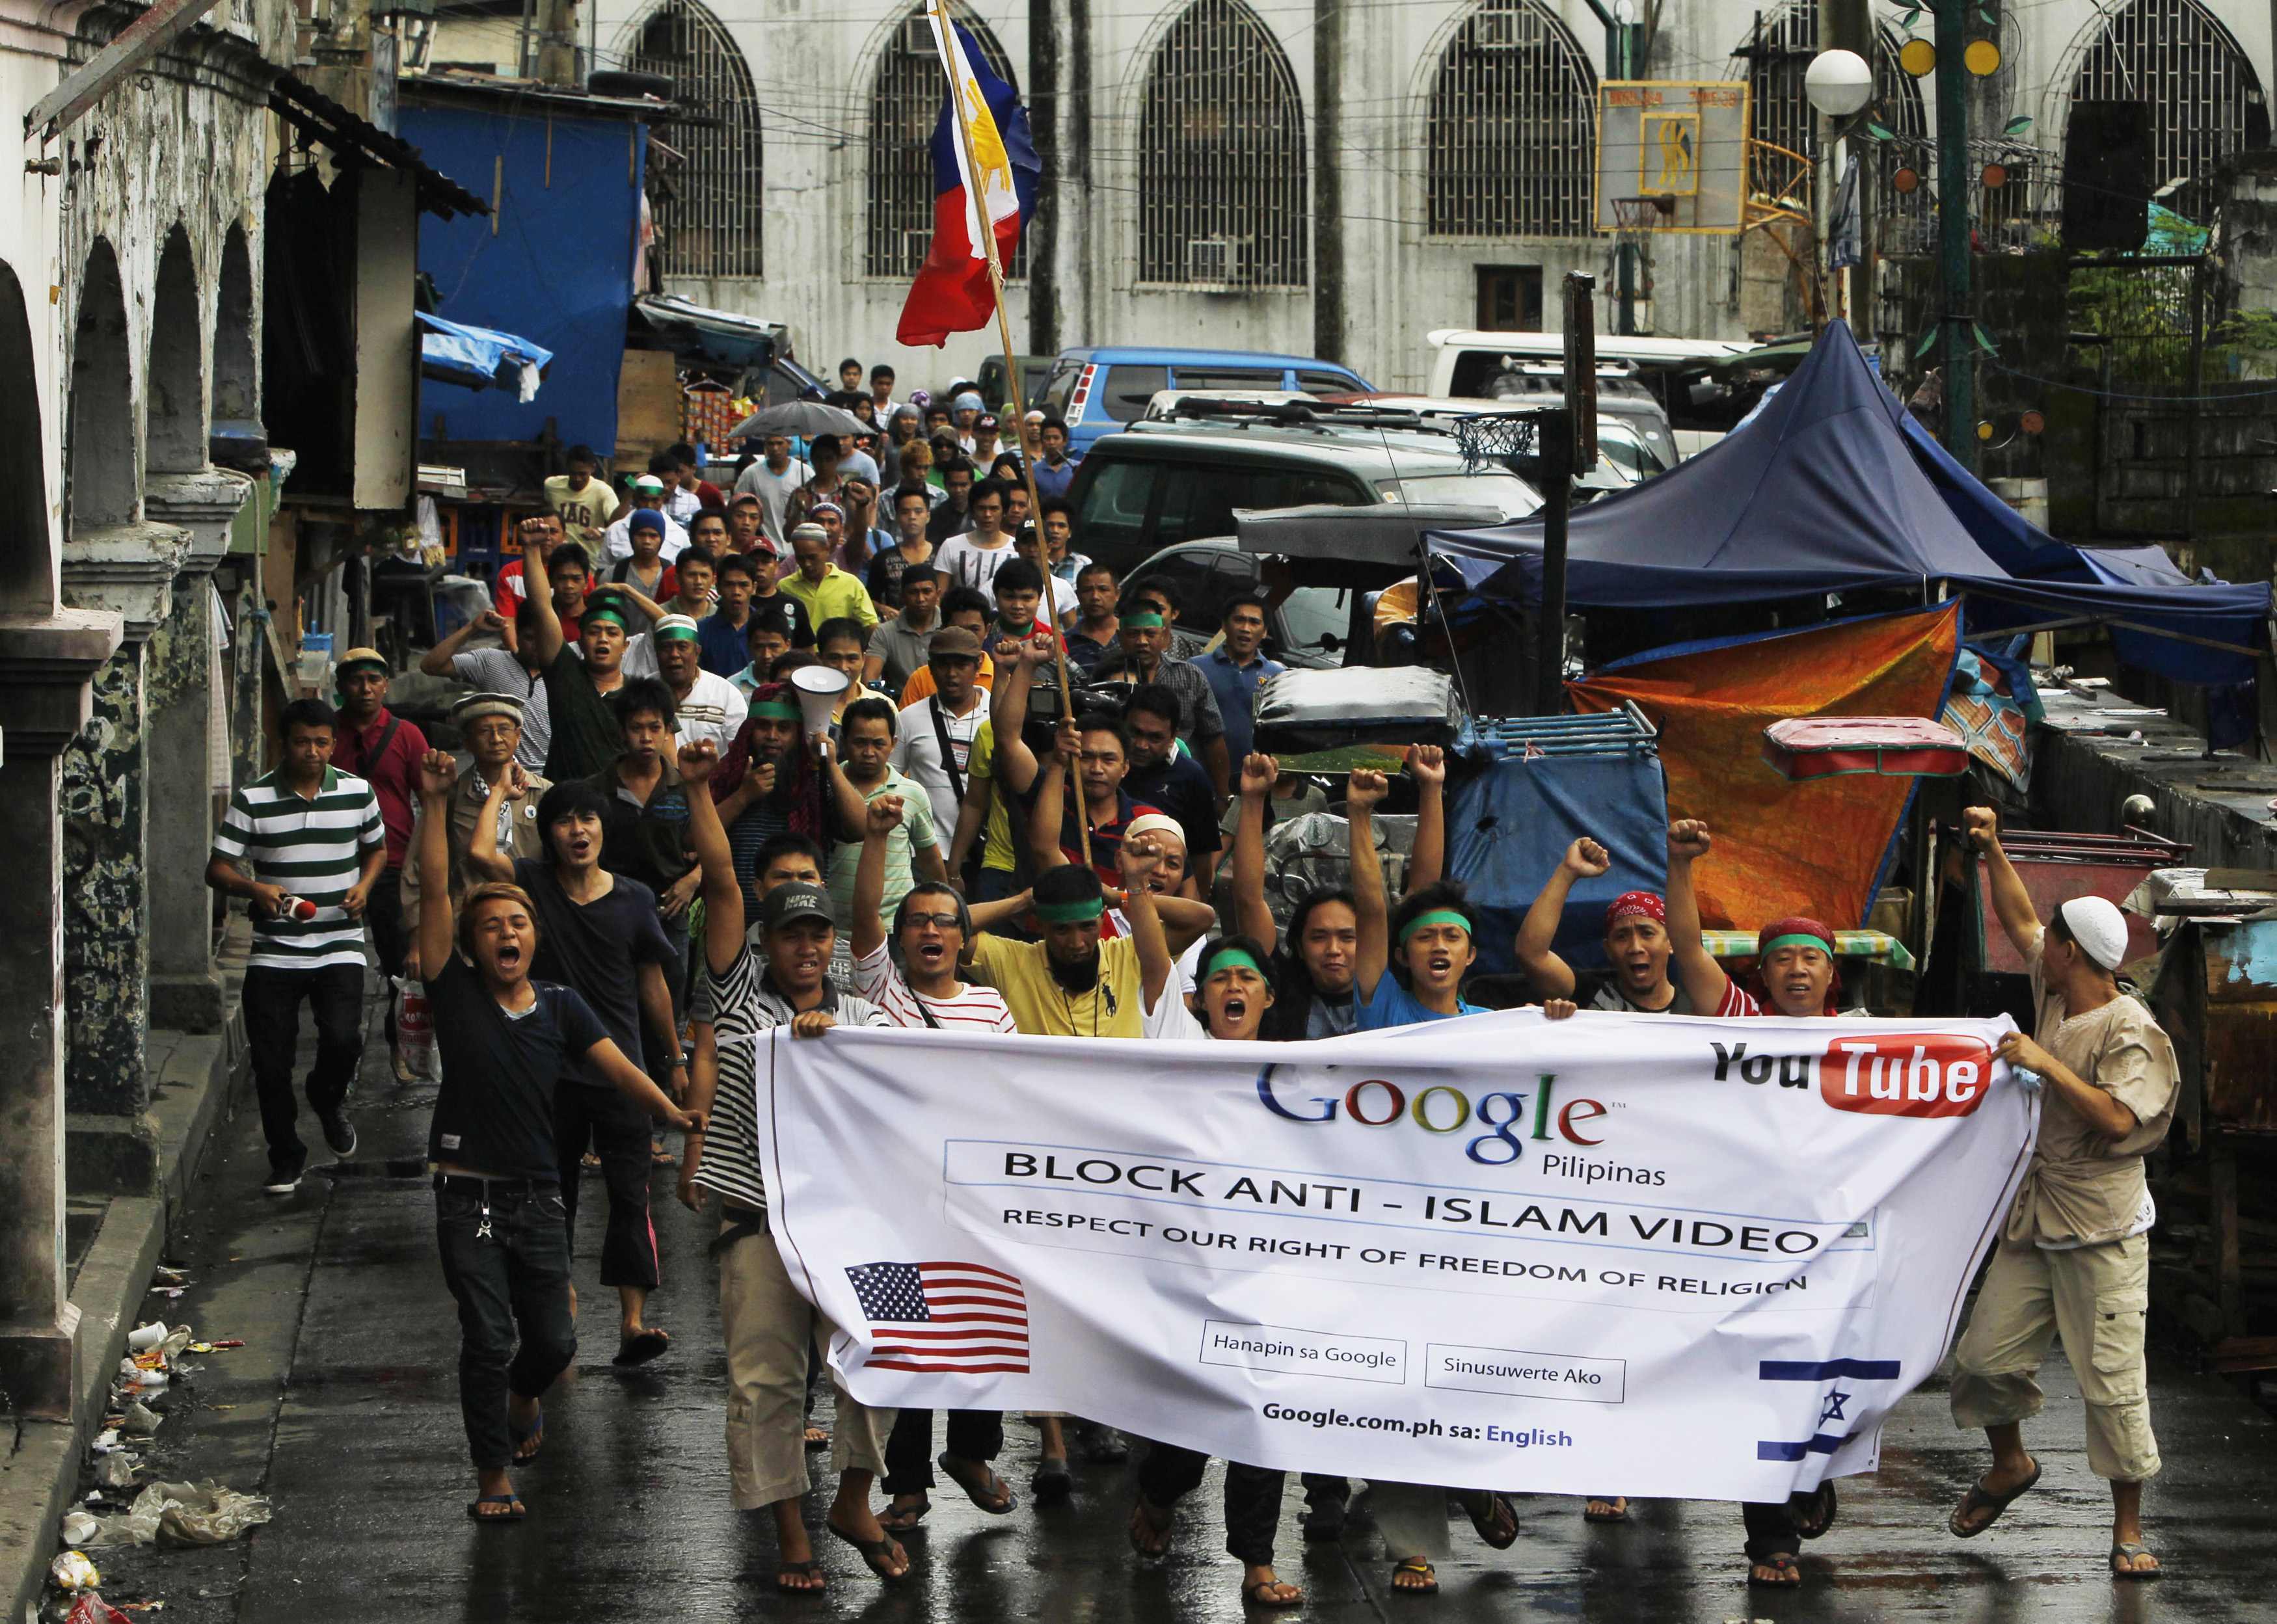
654, 853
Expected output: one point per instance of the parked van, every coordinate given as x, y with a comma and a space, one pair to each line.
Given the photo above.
1690, 378
1099, 391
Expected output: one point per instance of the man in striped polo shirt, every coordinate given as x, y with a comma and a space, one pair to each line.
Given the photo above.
305, 846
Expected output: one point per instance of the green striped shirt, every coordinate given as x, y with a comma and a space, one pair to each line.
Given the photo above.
314, 847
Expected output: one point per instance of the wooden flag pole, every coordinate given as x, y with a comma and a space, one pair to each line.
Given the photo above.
987, 228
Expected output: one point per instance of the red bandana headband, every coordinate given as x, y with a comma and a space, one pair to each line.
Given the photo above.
1636, 904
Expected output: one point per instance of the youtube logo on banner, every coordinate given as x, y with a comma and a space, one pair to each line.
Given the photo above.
1916, 1074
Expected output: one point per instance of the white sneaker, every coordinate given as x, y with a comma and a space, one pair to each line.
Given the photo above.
282, 1184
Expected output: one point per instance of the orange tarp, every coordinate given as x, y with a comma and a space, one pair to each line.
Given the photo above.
1784, 848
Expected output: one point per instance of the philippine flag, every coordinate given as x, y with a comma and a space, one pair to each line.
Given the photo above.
952, 293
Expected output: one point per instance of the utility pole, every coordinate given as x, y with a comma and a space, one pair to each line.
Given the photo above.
1957, 319
1625, 44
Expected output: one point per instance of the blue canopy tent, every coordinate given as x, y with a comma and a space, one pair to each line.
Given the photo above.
1824, 491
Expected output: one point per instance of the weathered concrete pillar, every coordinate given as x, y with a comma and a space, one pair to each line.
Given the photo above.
127, 570
178, 670
45, 662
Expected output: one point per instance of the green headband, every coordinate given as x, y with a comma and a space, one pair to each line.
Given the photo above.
676, 633
1436, 916
1239, 957
775, 711
1797, 938
1073, 912
607, 611
1145, 620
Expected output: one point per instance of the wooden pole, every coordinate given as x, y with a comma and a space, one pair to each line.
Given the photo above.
982, 224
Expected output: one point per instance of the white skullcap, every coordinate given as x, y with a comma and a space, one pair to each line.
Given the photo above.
1154, 823
2099, 927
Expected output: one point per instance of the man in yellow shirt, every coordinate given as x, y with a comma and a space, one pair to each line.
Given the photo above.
825, 591
1070, 983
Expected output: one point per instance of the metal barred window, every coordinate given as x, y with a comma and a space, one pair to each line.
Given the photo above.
1778, 53
2206, 100
905, 102
1223, 199
1511, 142
707, 206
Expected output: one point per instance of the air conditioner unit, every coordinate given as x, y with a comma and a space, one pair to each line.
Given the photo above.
916, 37
1518, 27
1219, 262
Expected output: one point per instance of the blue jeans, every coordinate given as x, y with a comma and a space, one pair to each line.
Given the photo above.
506, 1258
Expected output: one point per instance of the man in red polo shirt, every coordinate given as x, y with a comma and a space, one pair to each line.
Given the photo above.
384, 750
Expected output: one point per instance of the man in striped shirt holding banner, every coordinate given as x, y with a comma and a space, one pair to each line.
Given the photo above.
304, 845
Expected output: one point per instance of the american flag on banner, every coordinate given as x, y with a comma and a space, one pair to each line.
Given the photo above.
943, 1316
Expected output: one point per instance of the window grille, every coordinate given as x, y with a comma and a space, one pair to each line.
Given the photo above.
2206, 103
1778, 54
1223, 197
905, 102
707, 207
1511, 142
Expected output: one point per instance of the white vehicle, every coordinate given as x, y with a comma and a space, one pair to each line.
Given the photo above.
1688, 377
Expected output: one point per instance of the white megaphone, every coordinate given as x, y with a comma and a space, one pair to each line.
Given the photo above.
819, 688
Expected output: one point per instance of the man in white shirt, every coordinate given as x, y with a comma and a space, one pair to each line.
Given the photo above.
705, 706
933, 744
772, 479
973, 559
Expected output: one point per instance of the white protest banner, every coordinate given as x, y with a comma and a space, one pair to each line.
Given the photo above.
1686, 1258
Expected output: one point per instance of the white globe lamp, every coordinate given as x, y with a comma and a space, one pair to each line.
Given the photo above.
1839, 83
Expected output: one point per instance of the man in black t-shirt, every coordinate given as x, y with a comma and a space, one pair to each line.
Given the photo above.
507, 1042
601, 935
1165, 776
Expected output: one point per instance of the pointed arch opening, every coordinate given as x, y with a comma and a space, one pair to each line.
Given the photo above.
99, 471
27, 569
2207, 102
709, 203
1223, 192
236, 370
1510, 135
174, 436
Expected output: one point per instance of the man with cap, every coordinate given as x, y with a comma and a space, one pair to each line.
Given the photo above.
982, 447
820, 587
494, 784
767, 1326
1794, 976
384, 750
648, 496
933, 742
645, 570
2074, 1258
965, 409
581, 683
707, 706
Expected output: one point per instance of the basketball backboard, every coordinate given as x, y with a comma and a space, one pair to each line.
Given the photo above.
1672, 155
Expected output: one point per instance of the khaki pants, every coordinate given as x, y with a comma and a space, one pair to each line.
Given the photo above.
2098, 1298
767, 1324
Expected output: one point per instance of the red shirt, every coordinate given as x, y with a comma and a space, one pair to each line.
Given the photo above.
393, 777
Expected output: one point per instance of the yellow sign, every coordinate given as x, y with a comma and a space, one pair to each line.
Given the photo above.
1668, 154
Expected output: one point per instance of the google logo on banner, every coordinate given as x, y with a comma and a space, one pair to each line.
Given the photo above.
1374, 1102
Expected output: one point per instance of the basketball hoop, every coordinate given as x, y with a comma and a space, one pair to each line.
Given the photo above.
1633, 216
1505, 438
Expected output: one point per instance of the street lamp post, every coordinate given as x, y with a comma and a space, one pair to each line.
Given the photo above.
1839, 85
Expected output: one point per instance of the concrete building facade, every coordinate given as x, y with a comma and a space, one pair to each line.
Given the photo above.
1331, 176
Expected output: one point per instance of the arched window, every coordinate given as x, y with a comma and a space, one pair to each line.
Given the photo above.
236, 373
2206, 103
905, 102
707, 205
1222, 197
27, 581
1778, 53
1512, 140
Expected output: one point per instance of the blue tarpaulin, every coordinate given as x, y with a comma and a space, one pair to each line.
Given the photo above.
555, 264
1509, 826
479, 357
1825, 491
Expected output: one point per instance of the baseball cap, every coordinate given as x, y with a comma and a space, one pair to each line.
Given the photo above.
355, 657
795, 901
954, 642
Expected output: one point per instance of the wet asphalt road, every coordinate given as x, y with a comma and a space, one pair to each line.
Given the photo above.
343, 1408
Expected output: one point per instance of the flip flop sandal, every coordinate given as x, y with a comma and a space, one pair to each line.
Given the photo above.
1104, 1446
808, 1569
2127, 1553
642, 1347
990, 1491
1052, 1482
518, 1512
1621, 1501
901, 1521
1783, 1564
1254, 1596
1816, 1513
1977, 1499
1158, 1523
1416, 1565
1490, 1526
534, 1436
822, 1441
877, 1554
